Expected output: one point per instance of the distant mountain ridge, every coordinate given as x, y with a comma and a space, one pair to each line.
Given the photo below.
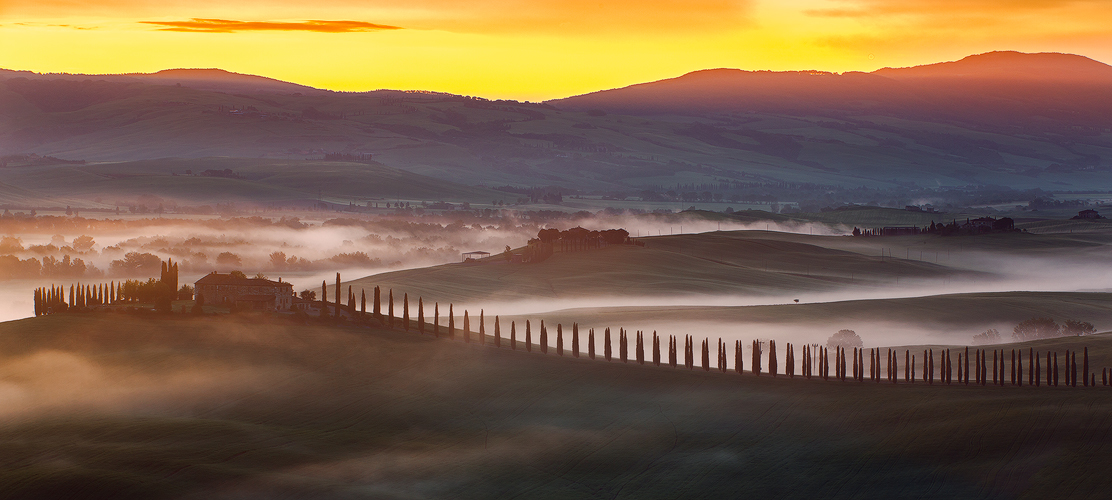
996, 89
198, 78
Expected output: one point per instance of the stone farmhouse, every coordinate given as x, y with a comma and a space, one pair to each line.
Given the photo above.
245, 293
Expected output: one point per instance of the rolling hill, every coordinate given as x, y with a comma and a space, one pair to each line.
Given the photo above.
1004, 119
176, 407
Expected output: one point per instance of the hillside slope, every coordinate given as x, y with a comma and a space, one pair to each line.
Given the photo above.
127, 407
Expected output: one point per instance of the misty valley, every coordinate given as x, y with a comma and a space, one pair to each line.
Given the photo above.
219, 285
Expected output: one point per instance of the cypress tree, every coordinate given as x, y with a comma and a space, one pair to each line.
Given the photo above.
323, 298
559, 339
1019, 368
722, 356
995, 368
1038, 370
895, 367
467, 328
378, 305
825, 363
756, 358
960, 373
528, 337
420, 314
706, 355
575, 339
738, 356
390, 308
1013, 366
482, 329
606, 349
72, 297
656, 349
1073, 369
435, 316
908, 366
544, 339
623, 346
772, 368
591, 343
362, 302
673, 352
513, 335
1055, 371
405, 311
688, 352
497, 333
1030, 366
338, 296
855, 367
640, 348
1085, 367
451, 322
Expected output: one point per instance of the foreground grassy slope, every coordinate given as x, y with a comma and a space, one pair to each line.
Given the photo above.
736, 262
119, 406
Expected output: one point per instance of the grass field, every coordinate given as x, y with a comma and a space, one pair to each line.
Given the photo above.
120, 406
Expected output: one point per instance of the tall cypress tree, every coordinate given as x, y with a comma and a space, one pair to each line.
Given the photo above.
338, 295
623, 345
559, 339
513, 335
606, 349
575, 339
673, 355
435, 316
390, 308
323, 298
420, 315
706, 355
640, 348
1019, 368
738, 357
497, 333
656, 349
405, 311
528, 337
1013, 366
544, 339
378, 304
1030, 366
482, 329
1073, 369
1055, 371
1085, 367
467, 328
772, 368
591, 343
451, 322
362, 302
1038, 370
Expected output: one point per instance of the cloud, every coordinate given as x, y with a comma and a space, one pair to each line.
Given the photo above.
197, 25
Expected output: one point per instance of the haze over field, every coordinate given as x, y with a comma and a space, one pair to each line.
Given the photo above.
555, 249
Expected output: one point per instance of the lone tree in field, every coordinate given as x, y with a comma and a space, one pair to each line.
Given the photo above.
1036, 328
990, 336
845, 339
1078, 328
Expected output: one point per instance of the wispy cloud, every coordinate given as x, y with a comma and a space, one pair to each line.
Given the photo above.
198, 25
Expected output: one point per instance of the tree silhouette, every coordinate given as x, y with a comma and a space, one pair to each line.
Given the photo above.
451, 323
673, 355
378, 304
559, 339
482, 329
323, 298
513, 335
623, 345
640, 348
772, 368
435, 316
405, 311
528, 337
362, 302
467, 328
390, 308
575, 339
420, 315
845, 339
591, 343
544, 339
497, 333
706, 355
606, 349
1036, 328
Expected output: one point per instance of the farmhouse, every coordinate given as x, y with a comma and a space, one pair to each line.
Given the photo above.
245, 293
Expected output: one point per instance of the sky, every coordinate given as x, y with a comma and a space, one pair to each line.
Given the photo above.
529, 49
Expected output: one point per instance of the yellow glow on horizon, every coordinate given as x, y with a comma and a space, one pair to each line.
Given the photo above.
480, 53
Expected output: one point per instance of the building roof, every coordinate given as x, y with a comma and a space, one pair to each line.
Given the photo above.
255, 298
215, 278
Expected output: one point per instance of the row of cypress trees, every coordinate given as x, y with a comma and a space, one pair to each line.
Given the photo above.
844, 369
53, 299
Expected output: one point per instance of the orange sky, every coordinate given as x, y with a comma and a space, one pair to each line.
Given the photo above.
535, 49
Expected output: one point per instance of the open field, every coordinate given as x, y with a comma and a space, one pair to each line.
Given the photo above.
242, 408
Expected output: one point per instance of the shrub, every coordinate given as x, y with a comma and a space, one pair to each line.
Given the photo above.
845, 339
